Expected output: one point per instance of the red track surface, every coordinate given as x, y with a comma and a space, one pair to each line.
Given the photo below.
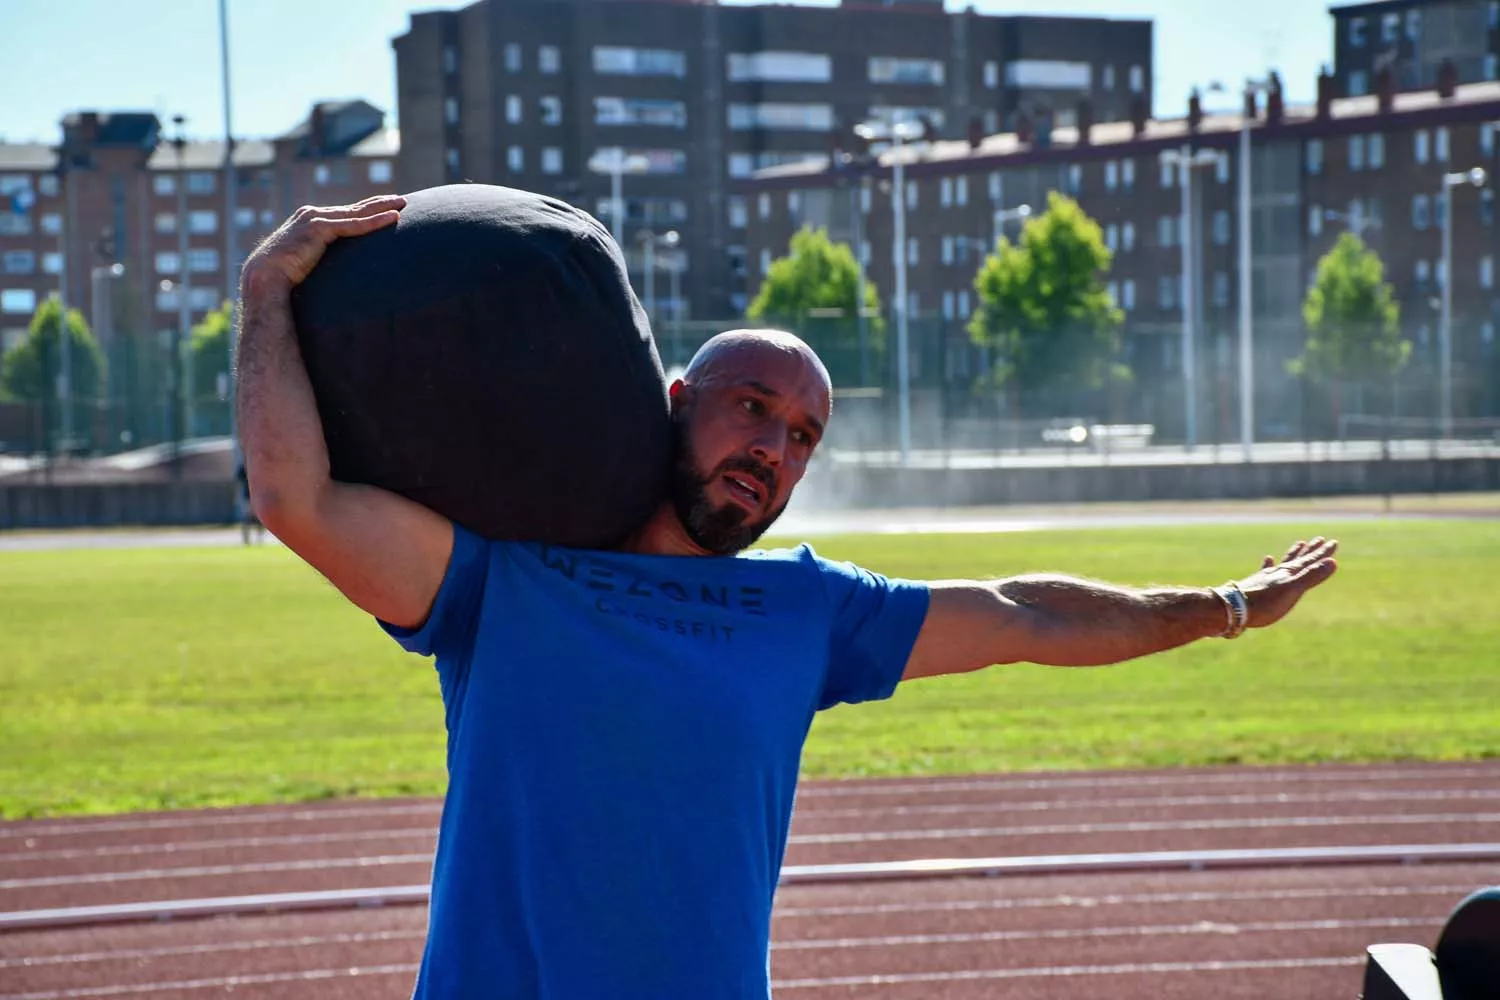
1289, 933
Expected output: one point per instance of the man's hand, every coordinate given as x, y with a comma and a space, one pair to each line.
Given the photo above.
1277, 588
286, 257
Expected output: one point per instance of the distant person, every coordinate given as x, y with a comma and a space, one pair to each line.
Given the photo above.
244, 508
625, 727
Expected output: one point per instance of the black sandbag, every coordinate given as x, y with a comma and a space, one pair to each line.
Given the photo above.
486, 357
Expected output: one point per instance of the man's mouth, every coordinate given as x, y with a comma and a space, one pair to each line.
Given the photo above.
746, 489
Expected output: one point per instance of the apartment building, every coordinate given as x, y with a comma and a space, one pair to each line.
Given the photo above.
1373, 164
531, 93
1413, 39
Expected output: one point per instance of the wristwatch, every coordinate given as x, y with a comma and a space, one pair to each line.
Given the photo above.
1236, 607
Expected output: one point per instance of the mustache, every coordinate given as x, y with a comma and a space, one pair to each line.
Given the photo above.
750, 467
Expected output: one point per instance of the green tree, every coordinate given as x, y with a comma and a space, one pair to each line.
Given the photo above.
210, 351
812, 292
1353, 322
1043, 307
29, 370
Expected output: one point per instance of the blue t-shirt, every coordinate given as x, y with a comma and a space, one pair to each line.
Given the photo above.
624, 734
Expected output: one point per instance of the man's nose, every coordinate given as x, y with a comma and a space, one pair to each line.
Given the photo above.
769, 444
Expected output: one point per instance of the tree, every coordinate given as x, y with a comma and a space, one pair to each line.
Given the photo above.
1043, 306
29, 370
1353, 321
812, 292
210, 350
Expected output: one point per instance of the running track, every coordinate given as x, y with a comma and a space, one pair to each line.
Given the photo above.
1166, 931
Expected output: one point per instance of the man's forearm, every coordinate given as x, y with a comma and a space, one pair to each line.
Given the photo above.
1080, 623
286, 457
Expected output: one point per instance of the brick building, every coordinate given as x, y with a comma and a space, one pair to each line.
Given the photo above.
1375, 164
526, 92
1413, 38
108, 193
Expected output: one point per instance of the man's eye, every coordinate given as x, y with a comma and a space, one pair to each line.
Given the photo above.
750, 405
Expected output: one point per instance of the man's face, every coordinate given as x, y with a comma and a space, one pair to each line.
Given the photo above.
745, 434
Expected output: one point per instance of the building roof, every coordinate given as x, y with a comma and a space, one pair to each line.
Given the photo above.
119, 128
209, 155
1372, 6
1346, 115
27, 156
383, 142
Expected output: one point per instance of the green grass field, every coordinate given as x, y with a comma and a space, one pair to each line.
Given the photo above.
148, 679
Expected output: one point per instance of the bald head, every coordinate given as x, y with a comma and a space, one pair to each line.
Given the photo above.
732, 353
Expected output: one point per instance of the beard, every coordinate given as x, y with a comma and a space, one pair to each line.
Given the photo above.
725, 529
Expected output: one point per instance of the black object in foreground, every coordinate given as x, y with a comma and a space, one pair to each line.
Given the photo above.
1464, 966
486, 357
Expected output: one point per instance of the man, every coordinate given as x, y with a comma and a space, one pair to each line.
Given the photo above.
624, 728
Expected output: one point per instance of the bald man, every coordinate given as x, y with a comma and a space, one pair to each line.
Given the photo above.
625, 727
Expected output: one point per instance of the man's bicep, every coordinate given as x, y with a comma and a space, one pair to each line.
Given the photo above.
388, 555
969, 626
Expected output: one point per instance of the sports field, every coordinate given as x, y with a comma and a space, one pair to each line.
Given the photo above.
167, 678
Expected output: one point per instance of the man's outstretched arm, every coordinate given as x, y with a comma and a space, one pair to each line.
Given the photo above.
1069, 622
385, 553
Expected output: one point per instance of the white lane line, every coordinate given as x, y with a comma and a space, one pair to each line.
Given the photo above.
229, 843
1130, 969
1051, 805
1066, 900
809, 790
205, 871
1188, 779
1198, 927
1142, 826
262, 944
217, 983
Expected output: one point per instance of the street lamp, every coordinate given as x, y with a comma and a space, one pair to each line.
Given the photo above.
1186, 160
1004, 215
1357, 223
898, 133
617, 163
1476, 177
1253, 90
649, 242
184, 283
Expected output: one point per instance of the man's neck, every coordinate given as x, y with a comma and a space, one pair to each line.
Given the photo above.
663, 535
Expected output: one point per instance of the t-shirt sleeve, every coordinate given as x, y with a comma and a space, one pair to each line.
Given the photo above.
875, 621
450, 627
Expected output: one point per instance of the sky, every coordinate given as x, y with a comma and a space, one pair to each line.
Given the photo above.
58, 56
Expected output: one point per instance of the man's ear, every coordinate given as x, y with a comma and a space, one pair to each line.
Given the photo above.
680, 394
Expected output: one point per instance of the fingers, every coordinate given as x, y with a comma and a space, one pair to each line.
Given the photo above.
370, 206
1267, 562
332, 228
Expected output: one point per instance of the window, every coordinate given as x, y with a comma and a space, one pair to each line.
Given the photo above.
1127, 174
779, 67
1486, 207
267, 218
515, 159
945, 192
947, 251
864, 252
963, 305
1422, 272
201, 182
453, 160
168, 262
1390, 28
1113, 290
961, 191
911, 194
164, 184
864, 200
380, 171
512, 109
1440, 272
203, 221
991, 74
1127, 236
203, 261
46, 185
897, 113
52, 262
1075, 178
913, 305
1166, 227
1221, 289
202, 299
997, 188
1137, 80
1421, 216
991, 122
1168, 173
1112, 236
551, 110
1107, 77
886, 69
1440, 144
1487, 332
19, 262
912, 256
1356, 152
1375, 148
13, 224
51, 223
619, 61
1111, 175
1221, 168
1221, 226
450, 59
741, 164
1315, 220
1414, 24
797, 117
1486, 271
450, 110
1357, 32
1166, 292
1420, 142
244, 218
1359, 83
1491, 66
552, 160
763, 205
947, 305
765, 261
1127, 294
1315, 156
18, 301
793, 202
739, 215
513, 57
549, 59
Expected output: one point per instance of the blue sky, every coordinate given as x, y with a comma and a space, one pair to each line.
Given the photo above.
163, 55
